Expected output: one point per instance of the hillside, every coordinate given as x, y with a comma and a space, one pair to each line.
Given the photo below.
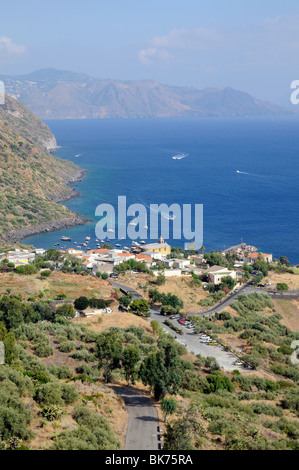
54, 94
31, 180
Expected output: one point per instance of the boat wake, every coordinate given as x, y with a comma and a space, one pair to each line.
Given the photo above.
249, 174
180, 156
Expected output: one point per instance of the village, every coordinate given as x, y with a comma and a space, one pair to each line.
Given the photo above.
157, 257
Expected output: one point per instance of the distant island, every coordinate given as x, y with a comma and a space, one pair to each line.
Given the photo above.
32, 181
56, 94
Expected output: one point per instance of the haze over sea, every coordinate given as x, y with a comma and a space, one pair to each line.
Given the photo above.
133, 158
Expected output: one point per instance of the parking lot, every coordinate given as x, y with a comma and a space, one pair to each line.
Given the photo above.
194, 344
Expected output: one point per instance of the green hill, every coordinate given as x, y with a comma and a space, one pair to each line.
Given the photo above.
32, 181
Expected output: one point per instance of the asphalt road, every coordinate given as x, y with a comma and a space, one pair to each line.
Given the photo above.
225, 359
142, 432
191, 341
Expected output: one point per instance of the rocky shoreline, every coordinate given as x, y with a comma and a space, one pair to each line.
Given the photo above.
53, 225
14, 237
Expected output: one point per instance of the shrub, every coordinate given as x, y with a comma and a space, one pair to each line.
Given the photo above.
49, 394
219, 381
282, 286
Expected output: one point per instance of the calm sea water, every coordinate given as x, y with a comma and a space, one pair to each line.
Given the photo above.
259, 205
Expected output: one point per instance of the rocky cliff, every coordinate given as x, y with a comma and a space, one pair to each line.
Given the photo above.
32, 181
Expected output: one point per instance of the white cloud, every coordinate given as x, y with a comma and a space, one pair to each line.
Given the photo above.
201, 38
270, 43
9, 48
147, 56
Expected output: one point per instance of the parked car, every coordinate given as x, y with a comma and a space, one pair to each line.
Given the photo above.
239, 363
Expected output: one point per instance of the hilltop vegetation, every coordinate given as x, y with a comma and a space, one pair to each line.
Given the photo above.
204, 407
31, 180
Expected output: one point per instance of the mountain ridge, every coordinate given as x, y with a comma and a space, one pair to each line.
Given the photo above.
60, 94
32, 181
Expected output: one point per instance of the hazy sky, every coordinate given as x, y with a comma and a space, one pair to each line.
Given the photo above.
249, 45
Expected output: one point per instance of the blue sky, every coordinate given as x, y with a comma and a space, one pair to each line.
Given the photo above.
252, 46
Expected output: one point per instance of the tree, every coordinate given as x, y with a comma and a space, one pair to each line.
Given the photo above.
66, 311
177, 436
130, 359
156, 327
284, 260
168, 406
219, 381
53, 255
161, 279
125, 300
108, 349
163, 370
257, 279
228, 281
81, 303
140, 307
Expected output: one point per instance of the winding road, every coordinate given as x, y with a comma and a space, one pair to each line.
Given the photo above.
143, 431
191, 341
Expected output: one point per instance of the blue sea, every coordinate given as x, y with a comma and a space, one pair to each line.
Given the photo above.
243, 170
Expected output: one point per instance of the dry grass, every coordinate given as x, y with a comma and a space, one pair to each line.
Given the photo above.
116, 318
289, 310
101, 399
291, 279
179, 286
72, 285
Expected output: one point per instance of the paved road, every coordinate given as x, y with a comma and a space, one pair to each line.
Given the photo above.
225, 359
143, 427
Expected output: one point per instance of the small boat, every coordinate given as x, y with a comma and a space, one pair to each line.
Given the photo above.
126, 248
117, 244
102, 241
143, 242
66, 239
87, 238
135, 243
179, 156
